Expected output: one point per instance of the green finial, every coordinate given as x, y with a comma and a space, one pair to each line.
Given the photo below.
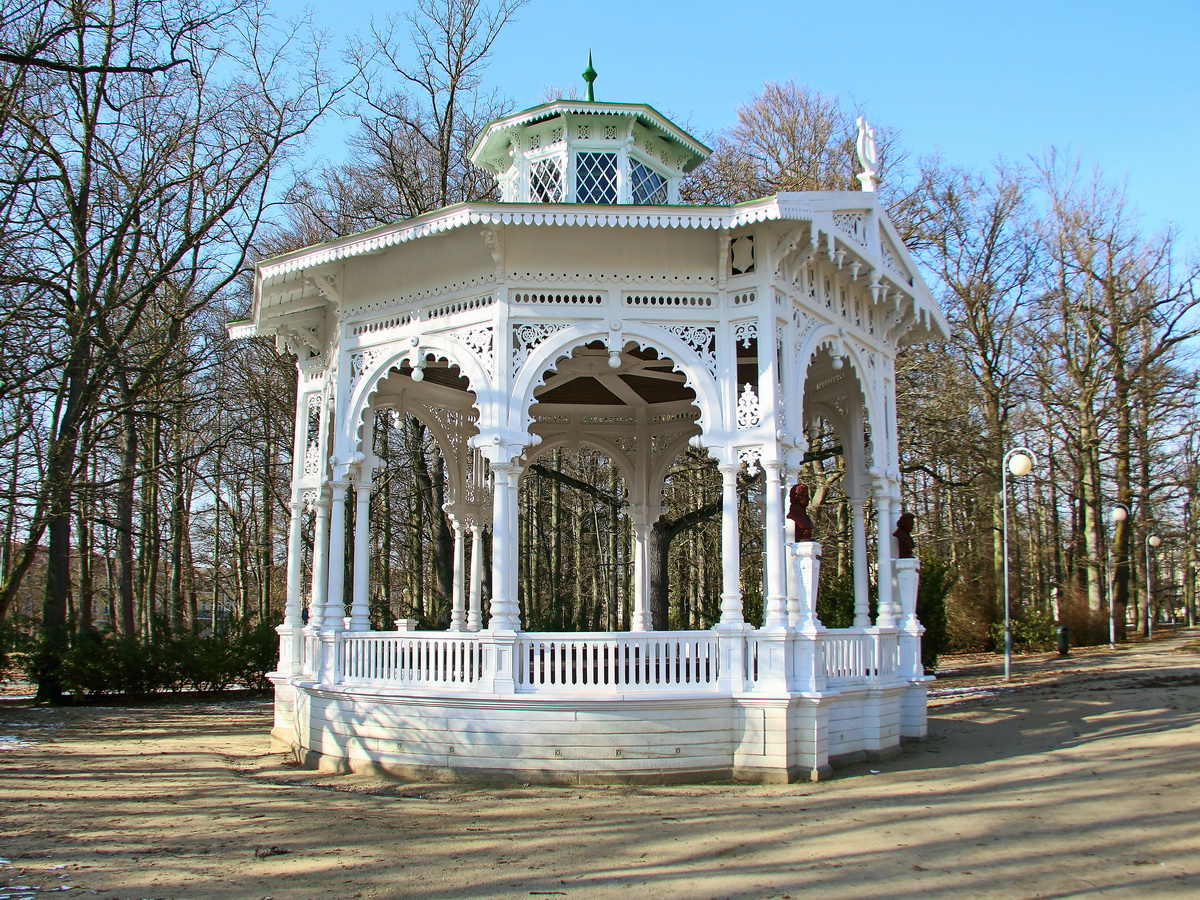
589, 75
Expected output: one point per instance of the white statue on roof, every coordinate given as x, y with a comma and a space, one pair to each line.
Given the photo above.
868, 155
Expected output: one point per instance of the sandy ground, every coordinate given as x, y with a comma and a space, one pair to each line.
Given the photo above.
1081, 779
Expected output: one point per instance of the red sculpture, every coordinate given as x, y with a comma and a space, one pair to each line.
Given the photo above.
903, 535
798, 512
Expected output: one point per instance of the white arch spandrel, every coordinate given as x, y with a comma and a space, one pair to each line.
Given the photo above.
828, 336
436, 345
562, 343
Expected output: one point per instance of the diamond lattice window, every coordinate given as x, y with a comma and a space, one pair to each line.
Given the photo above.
648, 186
546, 182
596, 178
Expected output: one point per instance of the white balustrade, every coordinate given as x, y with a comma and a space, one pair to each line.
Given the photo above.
407, 659
853, 656
572, 663
663, 661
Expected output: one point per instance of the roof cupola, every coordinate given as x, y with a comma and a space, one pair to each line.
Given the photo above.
582, 151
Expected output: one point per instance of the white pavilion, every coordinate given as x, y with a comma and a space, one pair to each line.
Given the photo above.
589, 307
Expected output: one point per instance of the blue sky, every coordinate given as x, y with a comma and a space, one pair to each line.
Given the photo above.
1118, 83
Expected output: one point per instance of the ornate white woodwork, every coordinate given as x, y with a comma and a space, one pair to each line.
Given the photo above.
588, 309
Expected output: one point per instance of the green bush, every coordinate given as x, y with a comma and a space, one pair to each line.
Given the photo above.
835, 604
108, 664
937, 580
1031, 630
835, 600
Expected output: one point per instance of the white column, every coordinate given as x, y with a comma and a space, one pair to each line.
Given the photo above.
293, 606
731, 573
360, 603
458, 612
291, 647
335, 605
641, 619
773, 544
859, 563
320, 570
475, 601
505, 612
885, 614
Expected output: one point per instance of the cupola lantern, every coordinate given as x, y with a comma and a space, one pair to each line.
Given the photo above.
581, 151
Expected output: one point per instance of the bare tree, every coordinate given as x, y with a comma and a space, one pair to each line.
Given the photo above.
144, 190
421, 105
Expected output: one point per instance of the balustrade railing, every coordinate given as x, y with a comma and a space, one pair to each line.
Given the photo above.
586, 662
572, 663
855, 656
437, 659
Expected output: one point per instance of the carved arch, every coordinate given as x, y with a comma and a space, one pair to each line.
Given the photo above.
828, 337
436, 345
562, 343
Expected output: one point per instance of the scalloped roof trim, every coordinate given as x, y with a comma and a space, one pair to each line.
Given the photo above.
466, 215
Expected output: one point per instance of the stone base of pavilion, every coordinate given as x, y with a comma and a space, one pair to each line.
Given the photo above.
733, 703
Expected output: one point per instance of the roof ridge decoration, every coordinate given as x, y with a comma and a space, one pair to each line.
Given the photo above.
589, 75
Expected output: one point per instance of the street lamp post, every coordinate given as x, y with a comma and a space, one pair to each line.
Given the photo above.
1152, 540
1119, 513
1019, 461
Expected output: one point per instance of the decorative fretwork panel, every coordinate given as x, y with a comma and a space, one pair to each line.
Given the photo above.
648, 187
751, 457
661, 443
596, 178
745, 332
749, 408
479, 340
546, 182
892, 264
853, 225
702, 339
363, 362
312, 437
626, 442
804, 325
451, 421
526, 338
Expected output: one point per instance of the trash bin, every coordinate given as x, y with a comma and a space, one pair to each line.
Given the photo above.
1064, 644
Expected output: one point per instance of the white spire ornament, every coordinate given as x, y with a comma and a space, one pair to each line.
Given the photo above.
868, 156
